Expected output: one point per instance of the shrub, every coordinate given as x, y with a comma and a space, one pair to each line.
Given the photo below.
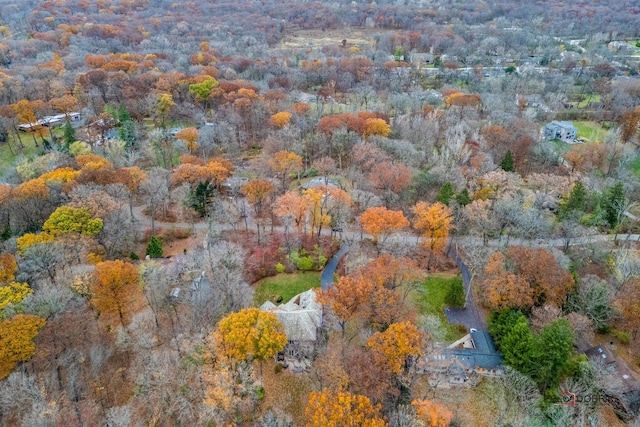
455, 293
624, 337
280, 267
134, 256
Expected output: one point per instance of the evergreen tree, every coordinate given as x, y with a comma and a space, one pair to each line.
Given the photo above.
612, 204
552, 352
69, 135
201, 197
445, 194
507, 163
518, 345
463, 197
127, 133
154, 247
576, 202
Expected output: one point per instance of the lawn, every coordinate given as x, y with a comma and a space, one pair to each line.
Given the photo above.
590, 131
594, 97
8, 154
283, 287
429, 300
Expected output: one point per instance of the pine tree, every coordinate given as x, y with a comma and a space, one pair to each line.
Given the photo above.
69, 135
507, 163
463, 197
612, 204
154, 247
201, 197
576, 202
445, 194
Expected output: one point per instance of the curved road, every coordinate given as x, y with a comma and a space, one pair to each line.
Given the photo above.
326, 279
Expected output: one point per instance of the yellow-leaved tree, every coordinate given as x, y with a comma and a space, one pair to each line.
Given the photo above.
329, 408
66, 220
249, 334
16, 340
435, 223
13, 293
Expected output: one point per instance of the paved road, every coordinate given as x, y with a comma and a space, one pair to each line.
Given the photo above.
326, 279
470, 315
352, 236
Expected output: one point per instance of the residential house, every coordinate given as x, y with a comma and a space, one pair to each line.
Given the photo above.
622, 389
301, 318
421, 59
564, 131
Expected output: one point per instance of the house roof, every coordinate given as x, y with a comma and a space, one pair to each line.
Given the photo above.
562, 124
301, 316
319, 181
483, 355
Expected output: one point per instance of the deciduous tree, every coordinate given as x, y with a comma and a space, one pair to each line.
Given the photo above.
284, 163
114, 287
329, 408
381, 223
67, 219
249, 334
16, 340
13, 293
396, 346
189, 136
432, 413
281, 119
435, 222
8, 267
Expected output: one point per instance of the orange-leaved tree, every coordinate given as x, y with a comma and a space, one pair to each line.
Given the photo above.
258, 192
396, 346
357, 297
435, 223
284, 163
329, 408
432, 413
292, 207
114, 286
190, 137
16, 340
503, 288
375, 126
281, 119
394, 273
381, 223
8, 267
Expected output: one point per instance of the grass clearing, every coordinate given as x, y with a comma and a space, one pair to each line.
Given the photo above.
10, 151
283, 287
593, 97
634, 166
590, 131
429, 300
560, 146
